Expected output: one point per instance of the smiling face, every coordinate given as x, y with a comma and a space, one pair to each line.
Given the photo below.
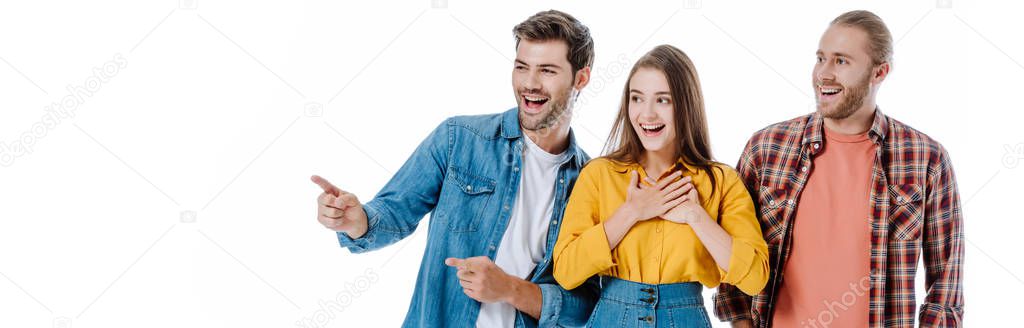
661, 117
845, 77
651, 110
542, 80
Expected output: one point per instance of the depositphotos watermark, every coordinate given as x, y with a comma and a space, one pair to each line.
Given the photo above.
1013, 155
61, 110
331, 308
602, 78
835, 308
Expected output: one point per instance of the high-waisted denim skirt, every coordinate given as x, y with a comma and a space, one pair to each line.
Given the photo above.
626, 303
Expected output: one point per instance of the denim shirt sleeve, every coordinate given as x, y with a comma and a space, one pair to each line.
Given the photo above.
413, 191
567, 308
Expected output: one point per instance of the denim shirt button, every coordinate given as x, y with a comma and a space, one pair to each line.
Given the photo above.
491, 247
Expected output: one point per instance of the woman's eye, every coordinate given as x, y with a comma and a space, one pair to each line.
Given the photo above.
664, 100
634, 99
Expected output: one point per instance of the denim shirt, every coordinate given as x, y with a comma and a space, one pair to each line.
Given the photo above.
466, 174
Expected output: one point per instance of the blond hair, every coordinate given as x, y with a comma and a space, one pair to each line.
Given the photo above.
879, 37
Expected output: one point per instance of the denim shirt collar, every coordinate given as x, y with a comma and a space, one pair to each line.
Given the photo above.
510, 129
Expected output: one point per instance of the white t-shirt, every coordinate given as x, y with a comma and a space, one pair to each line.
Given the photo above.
522, 245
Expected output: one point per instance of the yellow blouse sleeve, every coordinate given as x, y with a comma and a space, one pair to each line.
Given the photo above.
582, 248
748, 265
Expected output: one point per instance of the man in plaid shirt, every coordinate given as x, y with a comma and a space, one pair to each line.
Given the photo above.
848, 199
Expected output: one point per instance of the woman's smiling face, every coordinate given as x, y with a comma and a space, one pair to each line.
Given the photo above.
651, 109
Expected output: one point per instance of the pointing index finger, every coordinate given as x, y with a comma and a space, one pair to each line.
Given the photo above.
325, 185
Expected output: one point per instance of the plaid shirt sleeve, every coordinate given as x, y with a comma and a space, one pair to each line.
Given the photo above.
943, 247
731, 304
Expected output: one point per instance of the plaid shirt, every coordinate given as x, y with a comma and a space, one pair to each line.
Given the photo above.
915, 207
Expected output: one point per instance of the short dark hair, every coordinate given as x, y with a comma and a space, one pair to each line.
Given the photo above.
557, 25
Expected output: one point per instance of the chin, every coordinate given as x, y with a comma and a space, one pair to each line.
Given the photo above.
654, 146
826, 109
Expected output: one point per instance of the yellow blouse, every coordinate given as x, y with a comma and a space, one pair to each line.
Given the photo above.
658, 251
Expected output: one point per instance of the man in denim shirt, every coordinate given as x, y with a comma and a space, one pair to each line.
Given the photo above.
496, 186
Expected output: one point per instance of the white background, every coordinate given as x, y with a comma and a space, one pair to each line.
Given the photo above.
177, 195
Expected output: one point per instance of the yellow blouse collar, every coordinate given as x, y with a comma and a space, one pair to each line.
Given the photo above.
680, 165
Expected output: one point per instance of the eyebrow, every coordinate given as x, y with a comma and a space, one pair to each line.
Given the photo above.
656, 93
541, 65
839, 54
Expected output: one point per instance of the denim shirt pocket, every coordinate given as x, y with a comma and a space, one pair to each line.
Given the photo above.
465, 199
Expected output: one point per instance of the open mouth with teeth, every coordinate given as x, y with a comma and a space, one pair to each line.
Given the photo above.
827, 93
534, 103
651, 129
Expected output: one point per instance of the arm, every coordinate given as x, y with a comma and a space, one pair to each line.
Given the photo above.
482, 280
943, 248
748, 263
582, 248
731, 304
736, 245
547, 303
526, 297
410, 194
616, 227
567, 308
716, 240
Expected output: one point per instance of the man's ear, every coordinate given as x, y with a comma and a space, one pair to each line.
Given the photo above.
582, 78
880, 72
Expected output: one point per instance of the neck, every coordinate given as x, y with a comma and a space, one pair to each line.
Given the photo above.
656, 162
553, 139
858, 123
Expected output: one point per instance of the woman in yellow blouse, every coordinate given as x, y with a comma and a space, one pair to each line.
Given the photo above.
654, 239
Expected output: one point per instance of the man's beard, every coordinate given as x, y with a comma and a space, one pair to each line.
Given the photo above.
560, 106
853, 99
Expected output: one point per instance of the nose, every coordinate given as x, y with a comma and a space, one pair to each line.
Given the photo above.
825, 72
530, 81
647, 111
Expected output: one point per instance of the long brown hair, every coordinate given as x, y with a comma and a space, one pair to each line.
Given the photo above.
693, 144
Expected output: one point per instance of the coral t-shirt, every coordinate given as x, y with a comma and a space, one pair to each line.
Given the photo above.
826, 280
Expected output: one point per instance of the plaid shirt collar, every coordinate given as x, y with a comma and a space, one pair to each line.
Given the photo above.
813, 133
